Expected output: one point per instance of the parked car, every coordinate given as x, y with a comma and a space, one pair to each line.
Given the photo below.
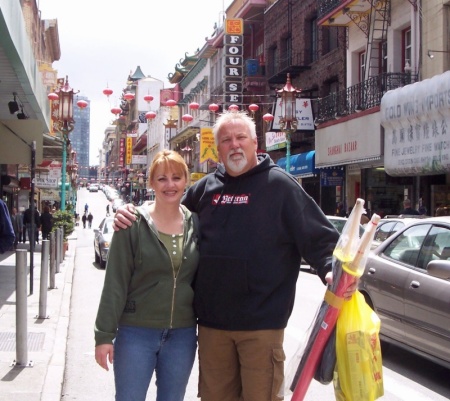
407, 283
116, 203
338, 223
389, 226
93, 188
102, 238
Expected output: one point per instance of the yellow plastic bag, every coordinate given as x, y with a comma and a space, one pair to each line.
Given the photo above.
358, 374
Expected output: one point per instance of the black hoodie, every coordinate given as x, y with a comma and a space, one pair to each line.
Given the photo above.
254, 229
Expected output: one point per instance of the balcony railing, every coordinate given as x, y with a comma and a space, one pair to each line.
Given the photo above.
292, 63
362, 96
326, 6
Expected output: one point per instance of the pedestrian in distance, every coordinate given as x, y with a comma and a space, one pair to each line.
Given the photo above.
7, 236
27, 218
408, 209
145, 321
107, 210
86, 208
17, 223
23, 236
84, 219
46, 223
256, 223
90, 217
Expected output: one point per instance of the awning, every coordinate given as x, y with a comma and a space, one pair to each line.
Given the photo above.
302, 164
16, 137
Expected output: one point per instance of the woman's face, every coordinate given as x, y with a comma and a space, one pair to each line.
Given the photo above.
168, 184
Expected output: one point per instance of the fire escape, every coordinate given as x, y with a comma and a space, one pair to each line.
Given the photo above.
372, 17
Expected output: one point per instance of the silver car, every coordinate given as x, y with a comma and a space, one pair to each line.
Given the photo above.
102, 238
406, 282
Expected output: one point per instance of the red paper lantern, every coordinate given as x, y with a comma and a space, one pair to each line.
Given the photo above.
116, 110
82, 104
53, 96
148, 98
128, 96
253, 107
194, 106
150, 115
213, 107
107, 92
268, 117
187, 118
233, 107
171, 103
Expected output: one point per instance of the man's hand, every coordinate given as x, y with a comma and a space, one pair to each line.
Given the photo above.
103, 354
351, 289
124, 217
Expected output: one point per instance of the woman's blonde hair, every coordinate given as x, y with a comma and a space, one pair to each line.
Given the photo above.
169, 159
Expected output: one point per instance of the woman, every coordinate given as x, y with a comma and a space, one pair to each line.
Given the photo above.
146, 320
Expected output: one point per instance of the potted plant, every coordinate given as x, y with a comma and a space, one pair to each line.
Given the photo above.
65, 219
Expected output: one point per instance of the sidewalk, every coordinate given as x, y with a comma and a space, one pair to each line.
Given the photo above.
47, 338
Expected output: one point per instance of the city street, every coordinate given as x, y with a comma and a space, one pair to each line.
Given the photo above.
406, 377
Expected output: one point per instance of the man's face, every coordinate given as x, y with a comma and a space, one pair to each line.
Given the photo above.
236, 147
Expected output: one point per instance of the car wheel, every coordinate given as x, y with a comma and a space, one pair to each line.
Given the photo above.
102, 263
97, 257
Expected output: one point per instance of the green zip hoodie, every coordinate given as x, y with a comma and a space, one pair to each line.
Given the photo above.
141, 287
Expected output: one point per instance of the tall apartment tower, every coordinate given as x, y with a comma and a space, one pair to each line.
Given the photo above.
80, 136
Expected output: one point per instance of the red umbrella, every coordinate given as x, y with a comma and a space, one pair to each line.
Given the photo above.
349, 259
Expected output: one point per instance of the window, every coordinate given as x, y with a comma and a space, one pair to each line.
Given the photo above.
406, 247
314, 40
362, 66
331, 39
383, 57
407, 47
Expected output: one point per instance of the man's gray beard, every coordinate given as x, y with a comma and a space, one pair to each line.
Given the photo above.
237, 166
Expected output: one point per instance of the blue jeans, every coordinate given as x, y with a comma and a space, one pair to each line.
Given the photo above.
138, 351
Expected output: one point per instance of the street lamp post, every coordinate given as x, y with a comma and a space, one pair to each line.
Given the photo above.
288, 119
62, 115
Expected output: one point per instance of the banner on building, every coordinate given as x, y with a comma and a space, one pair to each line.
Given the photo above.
208, 149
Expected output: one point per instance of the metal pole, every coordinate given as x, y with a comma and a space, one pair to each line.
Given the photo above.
57, 250
61, 242
21, 309
52, 260
44, 280
63, 172
33, 211
288, 150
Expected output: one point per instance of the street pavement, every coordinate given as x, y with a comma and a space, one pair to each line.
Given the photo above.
41, 376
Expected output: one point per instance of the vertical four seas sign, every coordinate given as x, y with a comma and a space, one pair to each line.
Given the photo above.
234, 60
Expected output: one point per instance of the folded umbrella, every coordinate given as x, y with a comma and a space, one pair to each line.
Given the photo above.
349, 259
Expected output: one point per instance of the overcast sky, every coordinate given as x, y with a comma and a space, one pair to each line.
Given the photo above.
102, 41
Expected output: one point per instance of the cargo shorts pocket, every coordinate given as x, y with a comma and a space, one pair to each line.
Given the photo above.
278, 359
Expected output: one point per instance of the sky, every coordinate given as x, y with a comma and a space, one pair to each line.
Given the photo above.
102, 41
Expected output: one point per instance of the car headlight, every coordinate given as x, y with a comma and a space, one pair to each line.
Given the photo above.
106, 244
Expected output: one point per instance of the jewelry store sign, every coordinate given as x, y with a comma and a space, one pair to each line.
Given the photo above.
416, 120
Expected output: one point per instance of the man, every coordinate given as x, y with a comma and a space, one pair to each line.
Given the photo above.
256, 222
408, 208
7, 236
27, 218
17, 223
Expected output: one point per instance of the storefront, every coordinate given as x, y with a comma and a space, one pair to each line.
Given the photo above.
304, 170
345, 152
416, 121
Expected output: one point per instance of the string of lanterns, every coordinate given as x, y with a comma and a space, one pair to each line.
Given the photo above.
213, 107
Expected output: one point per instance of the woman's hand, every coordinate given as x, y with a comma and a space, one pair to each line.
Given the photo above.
103, 354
